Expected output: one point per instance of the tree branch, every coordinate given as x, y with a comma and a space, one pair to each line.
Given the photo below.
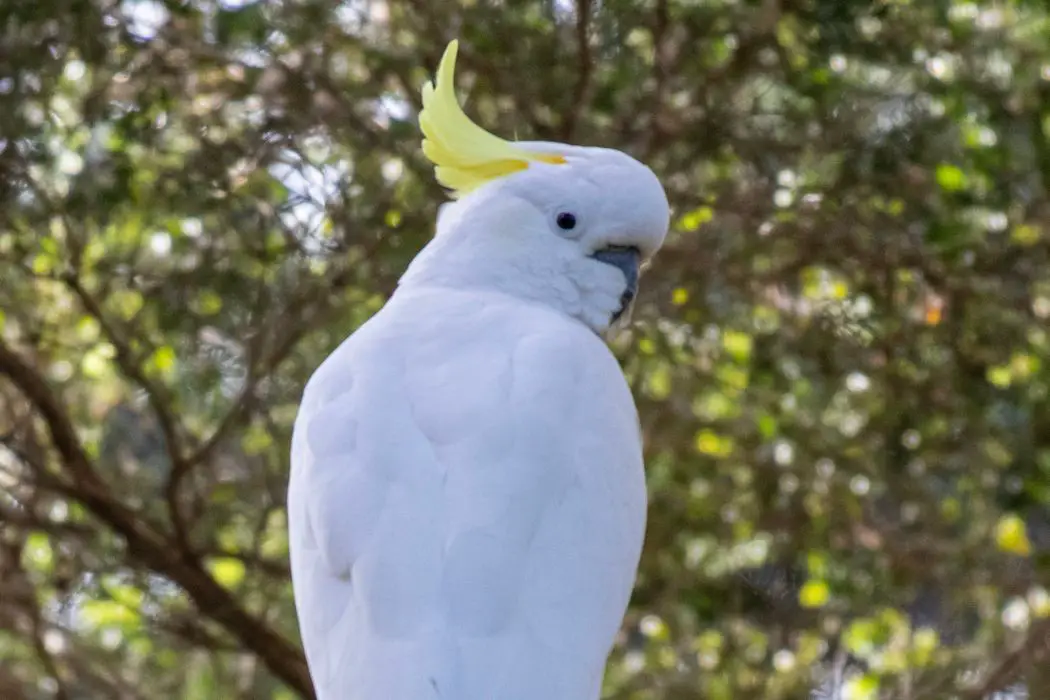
144, 542
584, 71
159, 399
1036, 648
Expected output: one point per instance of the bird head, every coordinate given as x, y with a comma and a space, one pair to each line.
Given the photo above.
564, 225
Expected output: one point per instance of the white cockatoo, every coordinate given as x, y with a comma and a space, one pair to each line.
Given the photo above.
467, 498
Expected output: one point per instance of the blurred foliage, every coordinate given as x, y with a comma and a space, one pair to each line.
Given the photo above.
842, 357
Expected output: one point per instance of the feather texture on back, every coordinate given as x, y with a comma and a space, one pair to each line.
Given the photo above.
467, 504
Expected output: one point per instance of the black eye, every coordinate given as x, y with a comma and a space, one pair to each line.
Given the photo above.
566, 221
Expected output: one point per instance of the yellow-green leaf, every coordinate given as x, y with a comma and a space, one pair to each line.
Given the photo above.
696, 218
712, 444
924, 643
1000, 376
817, 564
1011, 535
209, 303
108, 613
814, 594
227, 571
95, 363
256, 440
737, 344
163, 359
126, 302
87, 329
37, 554
864, 687
658, 383
951, 178
1026, 235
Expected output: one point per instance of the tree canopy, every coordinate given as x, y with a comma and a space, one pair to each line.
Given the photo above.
841, 357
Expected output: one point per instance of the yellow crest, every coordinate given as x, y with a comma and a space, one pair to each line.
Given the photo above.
464, 155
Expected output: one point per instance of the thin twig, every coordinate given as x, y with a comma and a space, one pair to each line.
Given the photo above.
159, 398
584, 70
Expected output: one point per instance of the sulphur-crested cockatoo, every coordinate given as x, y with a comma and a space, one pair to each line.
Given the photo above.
467, 499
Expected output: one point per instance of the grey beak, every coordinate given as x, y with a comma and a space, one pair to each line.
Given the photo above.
627, 261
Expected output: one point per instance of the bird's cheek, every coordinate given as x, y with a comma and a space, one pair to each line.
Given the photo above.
596, 277
601, 289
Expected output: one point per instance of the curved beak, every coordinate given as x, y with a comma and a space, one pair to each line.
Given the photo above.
628, 261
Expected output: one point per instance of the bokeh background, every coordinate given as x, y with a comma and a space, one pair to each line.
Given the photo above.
841, 357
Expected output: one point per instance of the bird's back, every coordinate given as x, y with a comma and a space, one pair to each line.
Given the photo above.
466, 505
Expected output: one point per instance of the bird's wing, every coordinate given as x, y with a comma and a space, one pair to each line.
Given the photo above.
429, 481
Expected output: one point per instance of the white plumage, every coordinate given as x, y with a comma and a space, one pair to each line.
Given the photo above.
467, 498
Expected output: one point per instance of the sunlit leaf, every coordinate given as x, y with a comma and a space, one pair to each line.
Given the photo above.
228, 572
1011, 535
814, 594
163, 360
37, 554
710, 443
951, 178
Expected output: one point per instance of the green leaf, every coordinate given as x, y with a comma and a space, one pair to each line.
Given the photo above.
37, 554
712, 444
95, 363
87, 329
227, 571
814, 594
658, 383
738, 345
126, 302
1000, 377
693, 220
256, 440
951, 178
43, 264
767, 426
100, 614
864, 687
1011, 536
162, 360
200, 681
924, 643
1026, 234
208, 303
863, 636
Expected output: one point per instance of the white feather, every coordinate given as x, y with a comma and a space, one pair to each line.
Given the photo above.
467, 497
467, 504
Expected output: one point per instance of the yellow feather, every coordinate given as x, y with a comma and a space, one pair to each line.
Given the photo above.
465, 156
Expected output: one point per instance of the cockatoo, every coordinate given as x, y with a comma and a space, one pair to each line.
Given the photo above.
467, 497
